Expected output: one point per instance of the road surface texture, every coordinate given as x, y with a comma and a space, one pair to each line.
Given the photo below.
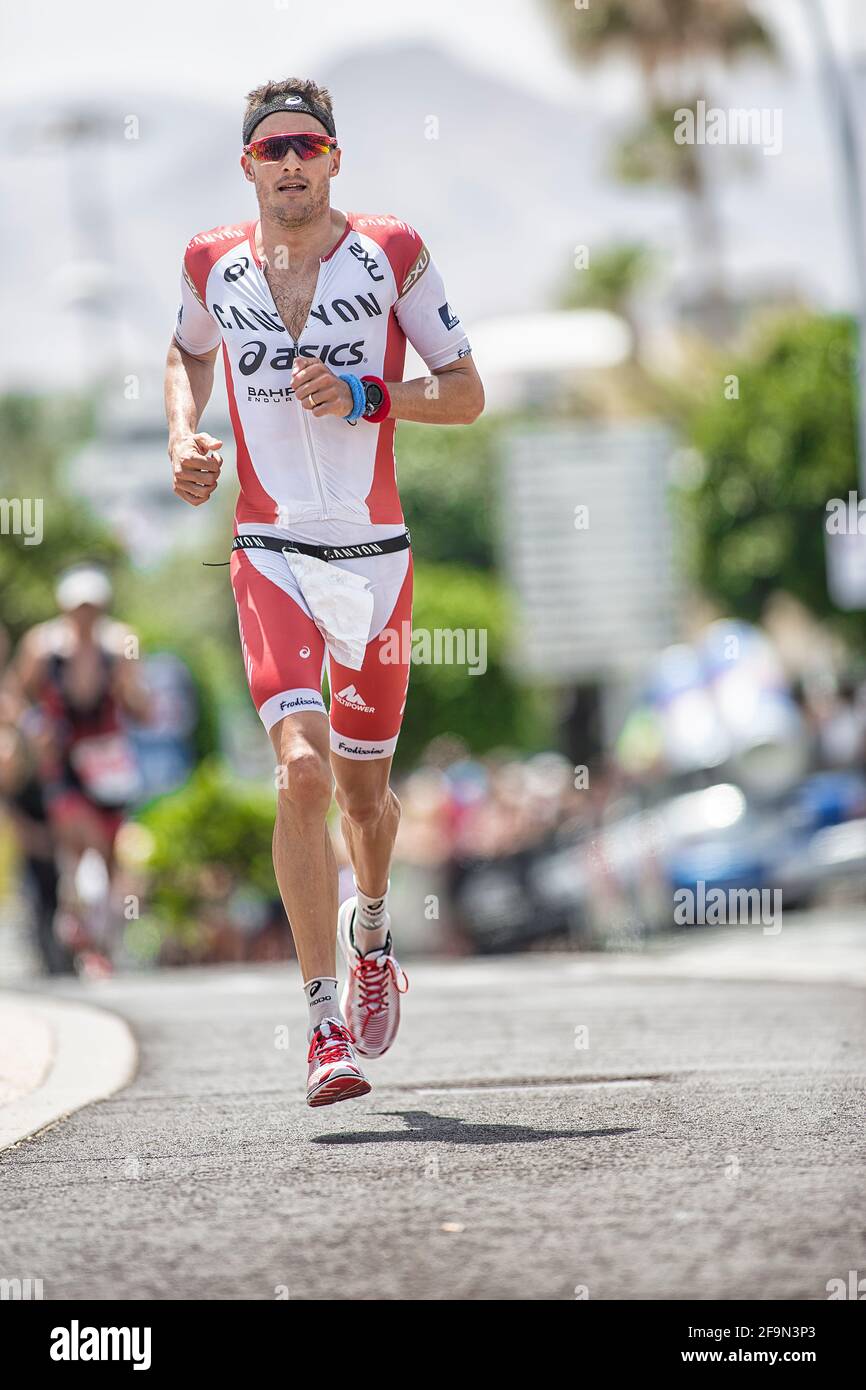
546, 1127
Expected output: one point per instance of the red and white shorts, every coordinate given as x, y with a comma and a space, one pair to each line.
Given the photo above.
285, 652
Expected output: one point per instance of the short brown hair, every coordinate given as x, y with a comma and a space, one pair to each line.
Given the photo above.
290, 86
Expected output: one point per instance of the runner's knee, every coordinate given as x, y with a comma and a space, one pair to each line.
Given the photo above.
365, 806
304, 782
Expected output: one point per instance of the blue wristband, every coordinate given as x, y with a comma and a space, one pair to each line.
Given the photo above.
359, 397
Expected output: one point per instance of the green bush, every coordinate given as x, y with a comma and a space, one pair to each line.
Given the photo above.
212, 828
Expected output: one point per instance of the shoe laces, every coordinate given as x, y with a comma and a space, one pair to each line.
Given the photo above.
331, 1042
373, 973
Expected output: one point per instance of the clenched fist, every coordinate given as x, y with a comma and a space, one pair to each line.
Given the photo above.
318, 389
195, 466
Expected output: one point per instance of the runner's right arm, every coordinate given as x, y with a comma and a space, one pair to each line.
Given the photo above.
195, 457
127, 683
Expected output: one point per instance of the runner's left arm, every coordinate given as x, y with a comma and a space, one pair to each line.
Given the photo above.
452, 394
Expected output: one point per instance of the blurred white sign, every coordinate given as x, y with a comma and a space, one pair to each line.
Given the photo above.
846, 569
588, 548
565, 341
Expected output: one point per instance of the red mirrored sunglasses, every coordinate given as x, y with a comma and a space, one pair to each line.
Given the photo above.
305, 144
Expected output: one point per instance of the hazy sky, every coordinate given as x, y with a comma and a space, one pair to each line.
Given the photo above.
215, 46
218, 47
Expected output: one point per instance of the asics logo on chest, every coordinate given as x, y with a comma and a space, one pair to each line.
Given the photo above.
333, 355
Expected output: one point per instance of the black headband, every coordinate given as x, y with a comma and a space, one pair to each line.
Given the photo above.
292, 103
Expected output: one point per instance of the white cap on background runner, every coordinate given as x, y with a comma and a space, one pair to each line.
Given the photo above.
83, 584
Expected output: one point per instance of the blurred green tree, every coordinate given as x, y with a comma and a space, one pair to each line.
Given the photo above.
447, 480
771, 458
661, 34
36, 436
609, 280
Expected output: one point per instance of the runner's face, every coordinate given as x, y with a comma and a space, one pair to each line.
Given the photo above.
278, 200
85, 616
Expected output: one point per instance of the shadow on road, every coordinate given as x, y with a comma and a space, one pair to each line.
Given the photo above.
422, 1127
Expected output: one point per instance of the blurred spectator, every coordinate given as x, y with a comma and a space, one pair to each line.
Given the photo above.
22, 793
73, 685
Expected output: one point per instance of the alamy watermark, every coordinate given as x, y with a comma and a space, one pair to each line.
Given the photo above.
438, 646
720, 907
846, 518
21, 1289
712, 125
854, 1287
22, 516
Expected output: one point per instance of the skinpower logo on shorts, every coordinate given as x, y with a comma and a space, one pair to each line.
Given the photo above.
349, 697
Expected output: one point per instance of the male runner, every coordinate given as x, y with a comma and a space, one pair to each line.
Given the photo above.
76, 671
312, 307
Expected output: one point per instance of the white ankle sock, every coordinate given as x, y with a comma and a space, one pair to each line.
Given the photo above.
371, 923
321, 996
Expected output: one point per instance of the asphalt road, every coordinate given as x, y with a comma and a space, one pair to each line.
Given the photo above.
706, 1143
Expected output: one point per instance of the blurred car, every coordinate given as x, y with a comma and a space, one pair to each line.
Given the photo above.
716, 837
615, 885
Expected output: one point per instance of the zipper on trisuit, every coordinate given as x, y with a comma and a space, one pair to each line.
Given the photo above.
311, 451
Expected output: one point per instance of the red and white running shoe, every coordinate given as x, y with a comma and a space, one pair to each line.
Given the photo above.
334, 1071
371, 994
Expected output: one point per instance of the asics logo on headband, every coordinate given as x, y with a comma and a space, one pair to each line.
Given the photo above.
293, 101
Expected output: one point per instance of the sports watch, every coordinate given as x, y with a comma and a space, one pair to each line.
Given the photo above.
374, 398
377, 399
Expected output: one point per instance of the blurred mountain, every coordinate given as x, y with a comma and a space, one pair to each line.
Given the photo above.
507, 186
